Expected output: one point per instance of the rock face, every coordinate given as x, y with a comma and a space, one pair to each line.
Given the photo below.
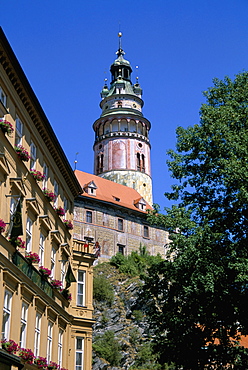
124, 319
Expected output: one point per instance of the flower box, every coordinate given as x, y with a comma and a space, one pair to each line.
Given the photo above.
9, 345
22, 153
52, 366
68, 224
40, 362
49, 195
60, 211
26, 355
44, 271
2, 226
57, 284
6, 127
37, 175
32, 257
18, 242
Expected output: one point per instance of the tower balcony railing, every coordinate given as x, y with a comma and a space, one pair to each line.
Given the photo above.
123, 134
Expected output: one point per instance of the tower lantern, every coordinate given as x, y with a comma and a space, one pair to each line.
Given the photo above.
122, 146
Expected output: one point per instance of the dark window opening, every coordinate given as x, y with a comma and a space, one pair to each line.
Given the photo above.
120, 224
138, 162
89, 217
121, 248
146, 232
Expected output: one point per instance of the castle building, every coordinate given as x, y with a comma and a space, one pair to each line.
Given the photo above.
49, 317
112, 210
122, 146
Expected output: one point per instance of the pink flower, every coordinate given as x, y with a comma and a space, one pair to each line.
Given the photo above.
60, 211
37, 175
57, 284
22, 153
32, 257
6, 126
68, 224
45, 271
27, 355
2, 226
9, 345
49, 195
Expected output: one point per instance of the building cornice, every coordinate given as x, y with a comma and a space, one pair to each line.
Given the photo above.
26, 94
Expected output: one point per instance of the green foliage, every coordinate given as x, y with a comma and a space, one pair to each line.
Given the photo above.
197, 302
107, 347
135, 263
138, 315
102, 290
134, 336
147, 360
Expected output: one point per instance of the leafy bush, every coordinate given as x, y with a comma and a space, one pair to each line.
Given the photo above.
102, 290
107, 347
135, 263
145, 358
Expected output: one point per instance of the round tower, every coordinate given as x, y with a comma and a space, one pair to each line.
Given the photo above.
122, 147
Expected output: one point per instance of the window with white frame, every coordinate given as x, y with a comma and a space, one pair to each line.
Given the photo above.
53, 262
32, 155
49, 341
45, 173
29, 227
79, 353
89, 217
65, 204
3, 97
18, 131
42, 249
23, 329
63, 263
13, 205
6, 314
81, 288
37, 334
60, 347
56, 192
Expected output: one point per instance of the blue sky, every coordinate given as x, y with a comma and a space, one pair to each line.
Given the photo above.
66, 48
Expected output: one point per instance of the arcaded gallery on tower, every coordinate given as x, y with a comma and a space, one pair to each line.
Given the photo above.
112, 209
56, 223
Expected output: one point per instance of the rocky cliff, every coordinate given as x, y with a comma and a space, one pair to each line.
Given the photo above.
121, 334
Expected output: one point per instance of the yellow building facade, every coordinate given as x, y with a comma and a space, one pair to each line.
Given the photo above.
45, 281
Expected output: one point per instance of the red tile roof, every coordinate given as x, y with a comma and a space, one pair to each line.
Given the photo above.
108, 190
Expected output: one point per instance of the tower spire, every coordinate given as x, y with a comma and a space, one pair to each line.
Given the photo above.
120, 51
122, 145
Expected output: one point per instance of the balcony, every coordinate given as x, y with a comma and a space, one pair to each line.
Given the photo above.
32, 273
85, 247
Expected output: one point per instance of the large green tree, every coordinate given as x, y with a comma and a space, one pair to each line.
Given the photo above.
198, 297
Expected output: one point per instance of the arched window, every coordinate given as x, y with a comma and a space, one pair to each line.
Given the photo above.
123, 125
142, 163
99, 163
138, 162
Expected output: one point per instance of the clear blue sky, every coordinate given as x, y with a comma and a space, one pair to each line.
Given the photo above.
66, 47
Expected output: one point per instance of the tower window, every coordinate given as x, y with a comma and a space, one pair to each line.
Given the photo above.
138, 162
99, 163
142, 163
